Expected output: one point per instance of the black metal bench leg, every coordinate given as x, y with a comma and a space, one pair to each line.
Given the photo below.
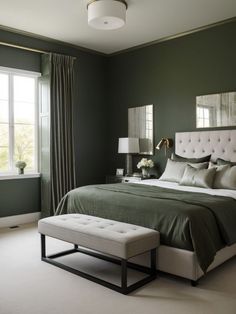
124, 288
153, 254
124, 275
43, 246
194, 283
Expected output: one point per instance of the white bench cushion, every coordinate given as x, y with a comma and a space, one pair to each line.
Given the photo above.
107, 236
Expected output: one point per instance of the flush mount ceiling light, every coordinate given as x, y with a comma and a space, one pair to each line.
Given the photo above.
107, 14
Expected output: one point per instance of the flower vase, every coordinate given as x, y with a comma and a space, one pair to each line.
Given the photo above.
20, 170
145, 172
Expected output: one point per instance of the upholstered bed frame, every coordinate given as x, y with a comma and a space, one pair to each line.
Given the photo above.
218, 144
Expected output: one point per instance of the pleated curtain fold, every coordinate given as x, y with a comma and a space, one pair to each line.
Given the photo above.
62, 160
57, 137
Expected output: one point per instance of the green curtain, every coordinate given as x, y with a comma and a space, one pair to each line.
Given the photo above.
62, 160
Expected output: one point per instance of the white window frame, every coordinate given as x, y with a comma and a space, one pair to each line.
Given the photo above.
11, 72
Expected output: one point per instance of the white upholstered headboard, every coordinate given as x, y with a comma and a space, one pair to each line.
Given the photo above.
218, 144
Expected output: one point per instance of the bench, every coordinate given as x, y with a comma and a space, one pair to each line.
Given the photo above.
117, 241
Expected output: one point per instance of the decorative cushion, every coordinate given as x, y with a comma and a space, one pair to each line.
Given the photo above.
221, 162
174, 170
211, 164
198, 177
225, 177
192, 160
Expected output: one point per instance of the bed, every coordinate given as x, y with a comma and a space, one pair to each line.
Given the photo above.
197, 225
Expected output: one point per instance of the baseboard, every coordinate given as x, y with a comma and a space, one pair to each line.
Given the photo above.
19, 219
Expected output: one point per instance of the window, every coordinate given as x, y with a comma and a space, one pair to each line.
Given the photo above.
149, 121
203, 117
18, 119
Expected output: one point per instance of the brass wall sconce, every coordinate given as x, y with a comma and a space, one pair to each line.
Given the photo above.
166, 142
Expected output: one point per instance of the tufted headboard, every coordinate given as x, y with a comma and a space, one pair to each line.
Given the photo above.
218, 144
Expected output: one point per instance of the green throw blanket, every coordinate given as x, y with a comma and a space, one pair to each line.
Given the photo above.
192, 221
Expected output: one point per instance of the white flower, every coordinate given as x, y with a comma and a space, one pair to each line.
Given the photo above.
145, 163
20, 164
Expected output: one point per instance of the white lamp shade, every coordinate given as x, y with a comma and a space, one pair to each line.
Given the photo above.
106, 14
128, 145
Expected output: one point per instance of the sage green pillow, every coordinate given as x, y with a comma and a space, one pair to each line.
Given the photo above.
225, 177
202, 178
221, 162
174, 170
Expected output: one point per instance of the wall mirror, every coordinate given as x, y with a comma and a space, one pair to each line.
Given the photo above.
216, 110
140, 125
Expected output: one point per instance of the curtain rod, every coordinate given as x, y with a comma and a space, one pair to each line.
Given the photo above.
25, 48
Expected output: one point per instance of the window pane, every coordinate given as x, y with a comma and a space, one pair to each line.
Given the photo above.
3, 86
24, 145
24, 89
24, 112
4, 151
4, 137
4, 111
200, 123
21, 103
4, 158
206, 113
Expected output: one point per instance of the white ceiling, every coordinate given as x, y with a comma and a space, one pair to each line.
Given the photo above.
147, 20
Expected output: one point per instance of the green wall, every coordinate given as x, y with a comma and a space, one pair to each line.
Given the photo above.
90, 120
169, 75
19, 196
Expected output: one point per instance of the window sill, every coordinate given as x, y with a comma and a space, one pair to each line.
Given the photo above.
19, 176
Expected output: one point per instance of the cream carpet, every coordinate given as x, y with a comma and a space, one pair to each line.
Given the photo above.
29, 286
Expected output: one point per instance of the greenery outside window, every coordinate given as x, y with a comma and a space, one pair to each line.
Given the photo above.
18, 120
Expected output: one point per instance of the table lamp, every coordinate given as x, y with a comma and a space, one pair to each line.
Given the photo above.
128, 145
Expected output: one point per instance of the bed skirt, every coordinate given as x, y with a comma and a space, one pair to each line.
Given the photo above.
184, 263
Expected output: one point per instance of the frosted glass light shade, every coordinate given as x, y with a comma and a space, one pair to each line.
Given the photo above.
106, 14
128, 145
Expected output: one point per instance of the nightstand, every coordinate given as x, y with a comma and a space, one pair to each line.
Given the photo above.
114, 179
122, 179
131, 179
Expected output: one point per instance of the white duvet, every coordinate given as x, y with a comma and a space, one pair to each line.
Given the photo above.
176, 186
